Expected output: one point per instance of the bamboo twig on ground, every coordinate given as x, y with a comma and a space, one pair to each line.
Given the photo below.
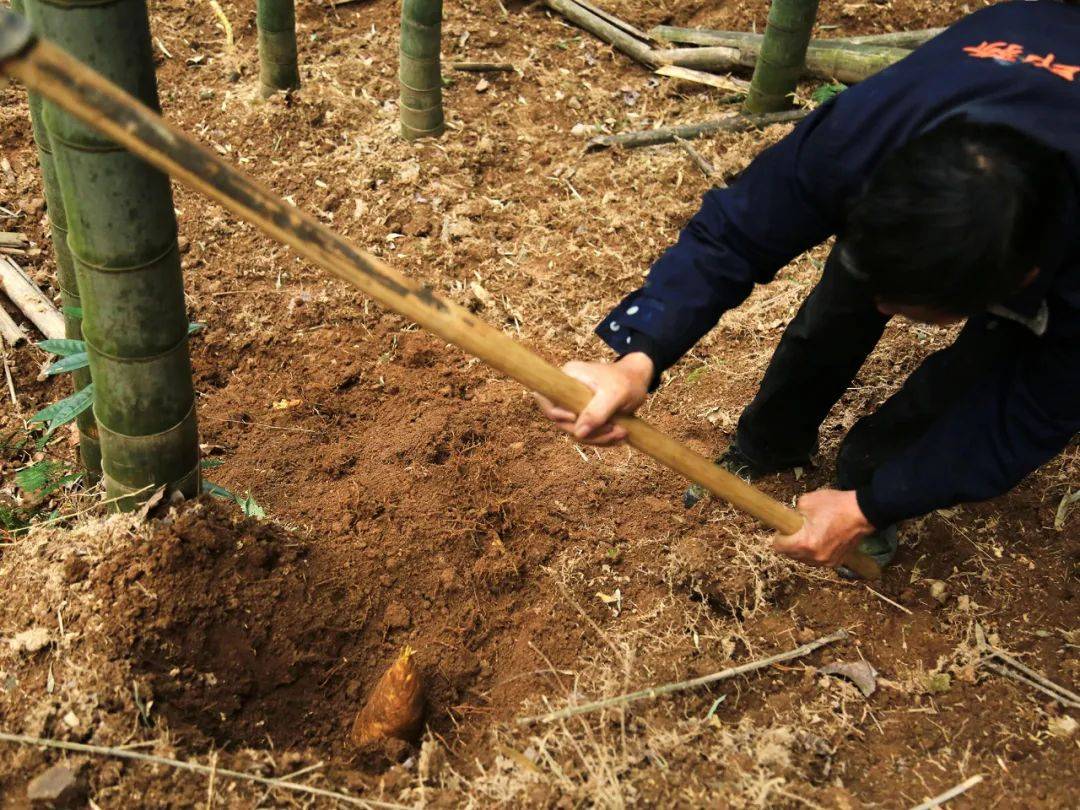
731, 123
10, 382
10, 331
680, 686
196, 767
1016, 675
615, 36
31, 301
482, 67
951, 793
1038, 677
699, 159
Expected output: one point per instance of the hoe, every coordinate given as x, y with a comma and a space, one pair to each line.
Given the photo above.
82, 92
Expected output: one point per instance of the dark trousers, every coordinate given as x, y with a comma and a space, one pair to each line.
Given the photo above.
819, 354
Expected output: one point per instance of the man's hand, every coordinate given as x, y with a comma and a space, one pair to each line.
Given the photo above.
620, 387
834, 526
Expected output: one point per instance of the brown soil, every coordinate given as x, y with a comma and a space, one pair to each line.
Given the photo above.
416, 498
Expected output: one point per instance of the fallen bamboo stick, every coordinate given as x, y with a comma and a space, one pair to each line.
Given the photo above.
730, 123
896, 39
614, 35
708, 36
951, 793
482, 67
30, 300
195, 767
616, 21
698, 159
87, 95
10, 331
1036, 676
681, 686
848, 64
729, 83
11, 239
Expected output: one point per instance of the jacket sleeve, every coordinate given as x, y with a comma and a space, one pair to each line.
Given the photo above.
789, 199
1022, 415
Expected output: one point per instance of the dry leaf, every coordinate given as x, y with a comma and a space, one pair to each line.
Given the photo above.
859, 673
285, 404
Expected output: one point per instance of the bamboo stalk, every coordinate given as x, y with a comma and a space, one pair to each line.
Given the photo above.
782, 55
66, 278
122, 238
730, 123
708, 36
420, 70
30, 300
611, 34
278, 70
849, 64
93, 99
10, 331
681, 686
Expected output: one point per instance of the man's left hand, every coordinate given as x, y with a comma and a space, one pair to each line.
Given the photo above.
834, 526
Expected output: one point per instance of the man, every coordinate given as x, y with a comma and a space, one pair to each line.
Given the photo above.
952, 183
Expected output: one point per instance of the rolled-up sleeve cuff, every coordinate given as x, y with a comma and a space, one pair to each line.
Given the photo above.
876, 513
641, 324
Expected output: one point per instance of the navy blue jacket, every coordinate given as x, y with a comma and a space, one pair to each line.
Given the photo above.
1016, 63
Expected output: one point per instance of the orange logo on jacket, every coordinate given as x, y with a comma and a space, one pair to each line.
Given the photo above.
1012, 53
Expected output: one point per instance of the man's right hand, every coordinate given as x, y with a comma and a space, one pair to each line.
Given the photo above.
619, 387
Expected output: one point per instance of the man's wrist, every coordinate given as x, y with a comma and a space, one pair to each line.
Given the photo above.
639, 366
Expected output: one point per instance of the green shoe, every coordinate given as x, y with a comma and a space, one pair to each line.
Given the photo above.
735, 463
880, 546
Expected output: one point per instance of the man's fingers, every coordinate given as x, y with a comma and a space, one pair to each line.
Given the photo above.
553, 411
598, 412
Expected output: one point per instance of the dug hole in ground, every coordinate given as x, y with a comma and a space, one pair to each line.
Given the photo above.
415, 498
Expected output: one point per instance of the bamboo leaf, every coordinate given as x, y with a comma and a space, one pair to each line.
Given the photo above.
249, 506
37, 476
65, 347
72, 362
62, 412
210, 488
827, 92
194, 327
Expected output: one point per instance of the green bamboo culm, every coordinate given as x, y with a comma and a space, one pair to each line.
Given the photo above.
276, 21
783, 52
420, 70
122, 239
89, 447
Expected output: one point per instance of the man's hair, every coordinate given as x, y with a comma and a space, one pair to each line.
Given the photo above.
954, 219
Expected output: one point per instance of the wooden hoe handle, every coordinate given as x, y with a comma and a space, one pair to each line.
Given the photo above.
82, 92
